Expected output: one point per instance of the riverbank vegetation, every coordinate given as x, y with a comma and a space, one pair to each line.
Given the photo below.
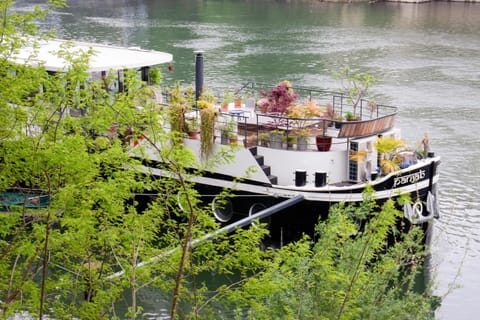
109, 231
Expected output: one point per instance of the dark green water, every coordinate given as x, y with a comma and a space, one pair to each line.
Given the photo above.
427, 57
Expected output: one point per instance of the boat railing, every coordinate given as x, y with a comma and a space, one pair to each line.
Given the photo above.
253, 127
341, 102
362, 128
276, 131
370, 118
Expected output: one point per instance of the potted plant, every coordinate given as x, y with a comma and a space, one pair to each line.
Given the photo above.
208, 117
203, 104
208, 97
330, 113
337, 119
356, 85
302, 136
178, 108
324, 142
301, 113
176, 117
276, 138
189, 96
350, 116
302, 143
289, 140
389, 152
192, 127
237, 102
264, 138
233, 139
184, 96
226, 99
263, 105
280, 97
227, 131
250, 141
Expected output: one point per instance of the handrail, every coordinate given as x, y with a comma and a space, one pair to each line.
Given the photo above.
367, 127
339, 100
252, 128
377, 119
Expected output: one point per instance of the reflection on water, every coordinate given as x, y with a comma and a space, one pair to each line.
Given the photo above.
426, 56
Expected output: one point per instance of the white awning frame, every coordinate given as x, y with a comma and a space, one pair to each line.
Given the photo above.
105, 57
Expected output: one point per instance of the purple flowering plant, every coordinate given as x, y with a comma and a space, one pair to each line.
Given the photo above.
280, 97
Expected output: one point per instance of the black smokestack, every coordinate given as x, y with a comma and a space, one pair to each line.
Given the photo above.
198, 74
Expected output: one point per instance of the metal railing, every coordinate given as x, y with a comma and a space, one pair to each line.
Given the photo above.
341, 102
252, 126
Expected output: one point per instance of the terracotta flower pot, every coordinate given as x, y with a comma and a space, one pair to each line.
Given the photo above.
354, 119
233, 140
194, 135
237, 103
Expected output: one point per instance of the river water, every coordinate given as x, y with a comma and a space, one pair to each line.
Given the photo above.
427, 57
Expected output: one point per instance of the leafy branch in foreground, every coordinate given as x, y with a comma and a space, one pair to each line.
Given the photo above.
353, 271
76, 257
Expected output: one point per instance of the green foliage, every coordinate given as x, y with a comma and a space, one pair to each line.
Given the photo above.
389, 150
155, 75
349, 115
229, 127
77, 257
228, 97
350, 272
98, 238
208, 117
356, 85
176, 113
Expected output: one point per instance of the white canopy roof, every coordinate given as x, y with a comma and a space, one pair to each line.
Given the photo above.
104, 58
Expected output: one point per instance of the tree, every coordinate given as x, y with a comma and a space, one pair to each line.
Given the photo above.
356, 270
76, 256
109, 227
356, 85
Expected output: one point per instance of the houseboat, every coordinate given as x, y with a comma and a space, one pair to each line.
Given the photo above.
310, 163
291, 161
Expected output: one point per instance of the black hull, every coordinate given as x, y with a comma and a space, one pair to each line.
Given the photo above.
292, 222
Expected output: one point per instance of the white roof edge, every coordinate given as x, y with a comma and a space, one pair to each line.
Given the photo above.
105, 57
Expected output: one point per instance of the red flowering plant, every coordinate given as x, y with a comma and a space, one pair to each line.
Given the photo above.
280, 98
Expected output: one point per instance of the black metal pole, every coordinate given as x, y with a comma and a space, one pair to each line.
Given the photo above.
198, 74
145, 75
245, 221
227, 229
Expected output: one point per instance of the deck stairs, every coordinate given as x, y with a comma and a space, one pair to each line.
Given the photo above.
260, 160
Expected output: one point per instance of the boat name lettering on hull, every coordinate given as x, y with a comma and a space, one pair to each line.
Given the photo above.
409, 179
